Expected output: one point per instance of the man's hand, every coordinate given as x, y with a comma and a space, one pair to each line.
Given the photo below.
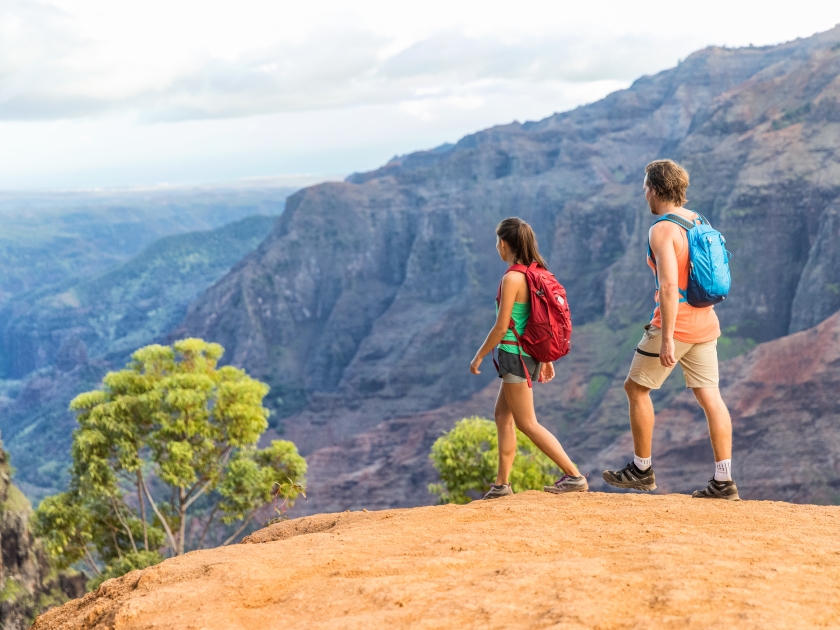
474, 365
546, 372
666, 353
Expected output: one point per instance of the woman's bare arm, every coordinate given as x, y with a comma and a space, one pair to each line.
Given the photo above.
512, 283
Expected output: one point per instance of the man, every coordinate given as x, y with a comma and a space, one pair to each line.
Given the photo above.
678, 332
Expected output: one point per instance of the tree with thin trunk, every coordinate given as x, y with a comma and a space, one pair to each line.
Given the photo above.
167, 447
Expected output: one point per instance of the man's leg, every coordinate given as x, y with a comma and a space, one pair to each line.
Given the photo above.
720, 423
646, 373
700, 366
638, 474
641, 417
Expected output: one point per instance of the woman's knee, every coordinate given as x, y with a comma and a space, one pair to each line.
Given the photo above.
527, 426
503, 417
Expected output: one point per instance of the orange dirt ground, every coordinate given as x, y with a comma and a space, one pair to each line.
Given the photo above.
533, 560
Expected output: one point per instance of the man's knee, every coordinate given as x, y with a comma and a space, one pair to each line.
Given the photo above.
708, 396
634, 390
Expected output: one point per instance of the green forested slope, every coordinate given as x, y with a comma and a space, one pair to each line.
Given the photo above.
48, 238
62, 340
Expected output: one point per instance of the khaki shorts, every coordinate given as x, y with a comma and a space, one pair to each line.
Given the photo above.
698, 360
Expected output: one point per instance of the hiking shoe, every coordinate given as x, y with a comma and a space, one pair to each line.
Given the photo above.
567, 483
726, 490
496, 492
631, 477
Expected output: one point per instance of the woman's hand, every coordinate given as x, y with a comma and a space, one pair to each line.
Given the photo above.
546, 372
474, 365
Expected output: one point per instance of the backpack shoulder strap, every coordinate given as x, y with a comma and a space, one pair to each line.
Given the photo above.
675, 218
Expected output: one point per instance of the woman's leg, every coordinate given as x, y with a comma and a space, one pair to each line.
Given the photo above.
520, 403
506, 430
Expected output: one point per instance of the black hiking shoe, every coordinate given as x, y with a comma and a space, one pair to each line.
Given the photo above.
631, 477
726, 490
498, 491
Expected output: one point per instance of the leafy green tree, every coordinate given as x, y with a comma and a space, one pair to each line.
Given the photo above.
467, 457
164, 452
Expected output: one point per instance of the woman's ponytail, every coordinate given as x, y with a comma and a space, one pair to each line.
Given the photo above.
521, 239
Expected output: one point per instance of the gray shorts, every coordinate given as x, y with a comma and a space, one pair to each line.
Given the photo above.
510, 367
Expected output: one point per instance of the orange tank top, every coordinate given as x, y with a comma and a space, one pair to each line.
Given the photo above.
693, 325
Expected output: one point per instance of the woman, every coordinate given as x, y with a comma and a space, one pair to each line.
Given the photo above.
516, 244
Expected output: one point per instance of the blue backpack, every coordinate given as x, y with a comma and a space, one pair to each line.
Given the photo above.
708, 279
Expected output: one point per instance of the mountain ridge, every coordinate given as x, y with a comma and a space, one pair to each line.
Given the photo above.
368, 299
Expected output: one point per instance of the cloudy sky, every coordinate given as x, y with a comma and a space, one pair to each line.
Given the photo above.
98, 93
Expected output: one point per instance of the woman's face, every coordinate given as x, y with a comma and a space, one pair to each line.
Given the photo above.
502, 248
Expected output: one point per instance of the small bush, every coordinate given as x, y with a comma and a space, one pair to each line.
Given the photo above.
467, 457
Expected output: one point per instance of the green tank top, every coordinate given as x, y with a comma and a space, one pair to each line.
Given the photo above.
520, 314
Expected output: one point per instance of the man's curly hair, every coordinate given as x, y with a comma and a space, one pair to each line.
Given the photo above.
668, 180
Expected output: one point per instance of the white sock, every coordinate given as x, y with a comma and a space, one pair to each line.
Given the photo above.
723, 470
642, 463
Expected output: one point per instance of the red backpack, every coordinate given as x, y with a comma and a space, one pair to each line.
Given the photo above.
548, 334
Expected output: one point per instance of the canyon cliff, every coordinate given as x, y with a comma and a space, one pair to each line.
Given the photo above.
364, 306
28, 584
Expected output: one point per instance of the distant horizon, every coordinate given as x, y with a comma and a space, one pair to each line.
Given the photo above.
293, 180
258, 90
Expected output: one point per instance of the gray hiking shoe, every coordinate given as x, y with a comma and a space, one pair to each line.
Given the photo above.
631, 477
726, 490
496, 492
567, 483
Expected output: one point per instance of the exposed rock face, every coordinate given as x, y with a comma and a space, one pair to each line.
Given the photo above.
27, 583
530, 561
369, 298
818, 293
782, 396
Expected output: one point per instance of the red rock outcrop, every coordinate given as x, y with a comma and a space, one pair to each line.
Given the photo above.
533, 560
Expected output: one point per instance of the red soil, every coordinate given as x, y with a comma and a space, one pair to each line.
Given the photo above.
530, 561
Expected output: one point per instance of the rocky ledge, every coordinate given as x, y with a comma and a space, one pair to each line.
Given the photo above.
533, 560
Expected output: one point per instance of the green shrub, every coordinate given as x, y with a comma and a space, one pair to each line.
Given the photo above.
467, 457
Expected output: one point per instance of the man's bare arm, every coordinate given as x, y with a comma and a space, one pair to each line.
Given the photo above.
662, 245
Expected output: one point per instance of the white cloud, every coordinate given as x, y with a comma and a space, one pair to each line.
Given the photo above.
186, 60
97, 91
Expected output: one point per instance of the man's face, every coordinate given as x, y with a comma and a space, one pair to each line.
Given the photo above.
649, 195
